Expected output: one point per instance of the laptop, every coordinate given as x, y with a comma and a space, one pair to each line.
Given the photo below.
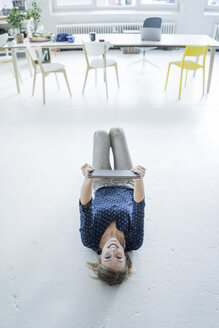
118, 174
150, 34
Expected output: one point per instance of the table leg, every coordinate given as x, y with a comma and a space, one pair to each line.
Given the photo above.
50, 55
14, 57
210, 68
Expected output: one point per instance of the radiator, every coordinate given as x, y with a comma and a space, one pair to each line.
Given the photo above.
215, 34
167, 28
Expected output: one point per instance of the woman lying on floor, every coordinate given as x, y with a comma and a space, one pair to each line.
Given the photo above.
112, 223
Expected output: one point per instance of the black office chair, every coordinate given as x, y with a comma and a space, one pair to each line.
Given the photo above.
152, 22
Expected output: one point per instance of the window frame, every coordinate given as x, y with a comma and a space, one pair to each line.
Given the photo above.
93, 6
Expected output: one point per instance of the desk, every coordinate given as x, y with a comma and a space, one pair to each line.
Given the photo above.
127, 40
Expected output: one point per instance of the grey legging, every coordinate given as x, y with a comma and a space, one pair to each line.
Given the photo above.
102, 141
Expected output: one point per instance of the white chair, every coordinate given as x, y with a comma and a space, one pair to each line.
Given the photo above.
7, 59
98, 49
45, 69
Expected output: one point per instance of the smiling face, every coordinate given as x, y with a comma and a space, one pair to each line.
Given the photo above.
113, 255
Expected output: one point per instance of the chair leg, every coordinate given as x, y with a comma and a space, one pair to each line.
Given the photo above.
148, 61
19, 75
106, 82
203, 81
34, 82
66, 79
135, 62
44, 97
186, 77
143, 58
28, 62
11, 67
180, 85
85, 80
167, 76
57, 81
117, 75
197, 60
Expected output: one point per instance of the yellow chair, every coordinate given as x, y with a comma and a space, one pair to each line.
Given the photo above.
190, 51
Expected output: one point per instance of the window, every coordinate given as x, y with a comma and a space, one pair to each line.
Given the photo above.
115, 3
71, 5
213, 3
132, 3
5, 4
66, 5
158, 2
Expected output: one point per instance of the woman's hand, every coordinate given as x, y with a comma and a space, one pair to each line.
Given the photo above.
140, 170
86, 168
139, 185
86, 188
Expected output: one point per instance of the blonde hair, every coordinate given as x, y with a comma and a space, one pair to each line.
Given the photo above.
109, 276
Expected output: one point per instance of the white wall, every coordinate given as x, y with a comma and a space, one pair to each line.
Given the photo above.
190, 19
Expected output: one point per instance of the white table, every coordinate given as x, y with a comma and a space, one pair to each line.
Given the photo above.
127, 40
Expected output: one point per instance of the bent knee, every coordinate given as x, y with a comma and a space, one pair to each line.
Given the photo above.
114, 132
101, 134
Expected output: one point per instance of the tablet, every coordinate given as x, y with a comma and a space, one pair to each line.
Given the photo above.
118, 174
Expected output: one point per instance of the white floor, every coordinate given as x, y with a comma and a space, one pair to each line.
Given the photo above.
44, 281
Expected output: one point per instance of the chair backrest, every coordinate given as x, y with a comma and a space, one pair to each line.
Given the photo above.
35, 53
3, 39
96, 48
32, 52
196, 51
153, 22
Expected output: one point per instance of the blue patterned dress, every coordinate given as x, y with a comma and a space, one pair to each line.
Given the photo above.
112, 204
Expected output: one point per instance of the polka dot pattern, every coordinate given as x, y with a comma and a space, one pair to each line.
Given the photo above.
112, 204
